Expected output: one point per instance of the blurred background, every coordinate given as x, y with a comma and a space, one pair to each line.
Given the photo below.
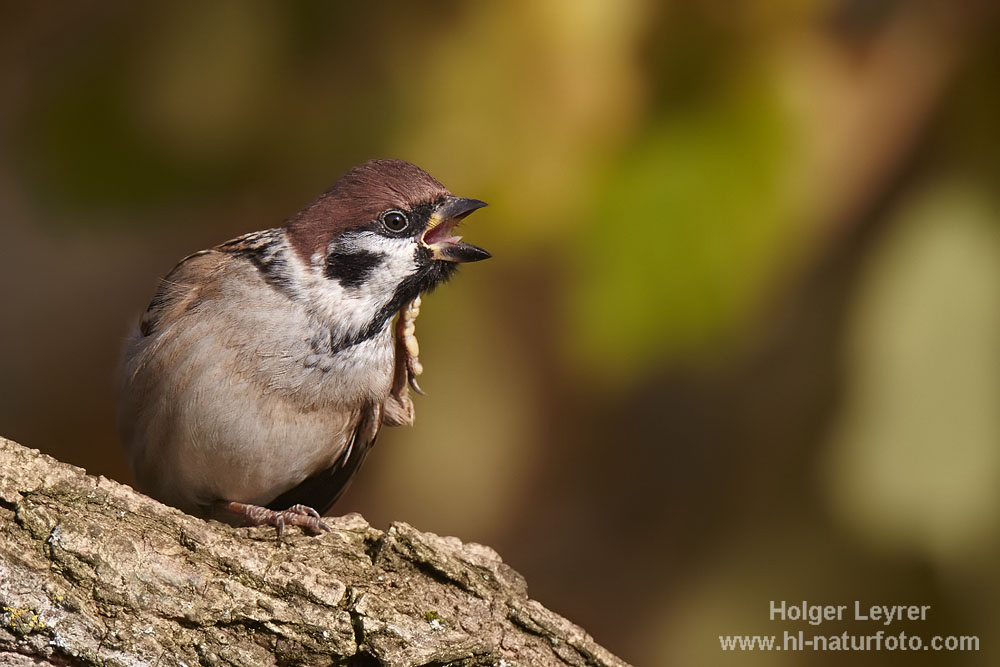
740, 338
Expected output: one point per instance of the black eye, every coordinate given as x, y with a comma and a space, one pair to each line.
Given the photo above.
395, 221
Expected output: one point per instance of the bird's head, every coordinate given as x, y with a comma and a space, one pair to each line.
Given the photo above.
385, 227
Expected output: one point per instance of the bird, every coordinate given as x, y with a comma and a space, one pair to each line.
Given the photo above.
256, 382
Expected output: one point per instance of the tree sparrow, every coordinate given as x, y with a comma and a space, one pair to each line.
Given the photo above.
262, 371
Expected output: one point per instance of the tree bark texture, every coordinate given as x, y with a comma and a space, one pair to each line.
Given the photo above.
93, 573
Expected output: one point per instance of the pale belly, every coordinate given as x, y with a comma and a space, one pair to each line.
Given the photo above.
207, 434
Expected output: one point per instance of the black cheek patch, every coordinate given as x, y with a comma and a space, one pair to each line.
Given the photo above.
351, 269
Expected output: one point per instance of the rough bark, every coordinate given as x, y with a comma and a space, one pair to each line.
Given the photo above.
94, 573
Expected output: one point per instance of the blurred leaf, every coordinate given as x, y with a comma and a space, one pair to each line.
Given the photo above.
915, 460
685, 235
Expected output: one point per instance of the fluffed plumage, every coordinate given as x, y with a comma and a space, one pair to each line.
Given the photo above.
263, 368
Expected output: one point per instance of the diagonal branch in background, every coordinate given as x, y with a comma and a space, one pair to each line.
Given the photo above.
92, 572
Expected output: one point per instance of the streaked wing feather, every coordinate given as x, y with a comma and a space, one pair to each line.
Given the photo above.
179, 291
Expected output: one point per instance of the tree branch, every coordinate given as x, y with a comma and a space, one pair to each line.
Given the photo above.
94, 573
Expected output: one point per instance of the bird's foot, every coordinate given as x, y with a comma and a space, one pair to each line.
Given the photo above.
296, 515
406, 342
398, 408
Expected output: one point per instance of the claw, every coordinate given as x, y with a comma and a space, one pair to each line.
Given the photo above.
303, 509
296, 515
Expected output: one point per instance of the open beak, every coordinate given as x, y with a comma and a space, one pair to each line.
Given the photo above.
439, 238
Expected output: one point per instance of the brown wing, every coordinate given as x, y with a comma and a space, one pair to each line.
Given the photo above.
321, 491
179, 290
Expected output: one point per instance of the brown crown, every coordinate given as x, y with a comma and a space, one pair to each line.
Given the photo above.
357, 198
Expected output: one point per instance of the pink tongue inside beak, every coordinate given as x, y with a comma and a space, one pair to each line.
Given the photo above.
441, 234
446, 246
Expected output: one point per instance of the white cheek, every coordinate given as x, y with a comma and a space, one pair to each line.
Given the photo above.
350, 309
398, 262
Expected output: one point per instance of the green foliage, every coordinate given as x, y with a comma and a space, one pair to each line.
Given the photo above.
686, 232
